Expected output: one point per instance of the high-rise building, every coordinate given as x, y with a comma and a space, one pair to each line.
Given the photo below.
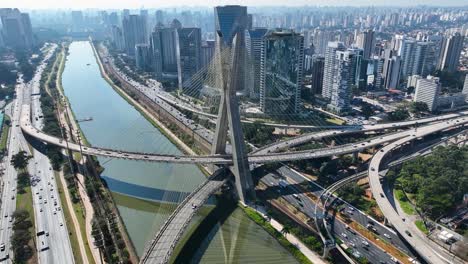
281, 72
17, 29
318, 66
320, 41
330, 64
417, 58
253, 43
207, 51
366, 42
391, 72
134, 31
142, 57
159, 17
450, 52
164, 43
117, 38
189, 59
113, 19
342, 82
77, 21
427, 91
157, 53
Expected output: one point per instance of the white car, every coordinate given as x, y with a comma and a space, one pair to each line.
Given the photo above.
387, 235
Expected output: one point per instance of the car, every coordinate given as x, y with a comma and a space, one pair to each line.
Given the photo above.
408, 233
61, 224
351, 244
387, 235
40, 210
344, 235
2, 247
382, 195
365, 243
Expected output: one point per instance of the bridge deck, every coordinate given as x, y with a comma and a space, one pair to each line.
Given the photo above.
162, 246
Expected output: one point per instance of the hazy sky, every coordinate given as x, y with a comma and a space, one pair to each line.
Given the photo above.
118, 4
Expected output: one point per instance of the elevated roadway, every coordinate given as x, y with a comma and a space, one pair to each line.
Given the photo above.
430, 253
161, 247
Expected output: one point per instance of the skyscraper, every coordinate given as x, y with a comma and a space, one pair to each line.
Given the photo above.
366, 41
418, 58
134, 31
450, 52
207, 50
318, 66
253, 43
117, 38
189, 58
77, 21
330, 61
342, 82
164, 51
142, 57
281, 72
17, 29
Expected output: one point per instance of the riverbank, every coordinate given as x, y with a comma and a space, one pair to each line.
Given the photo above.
68, 117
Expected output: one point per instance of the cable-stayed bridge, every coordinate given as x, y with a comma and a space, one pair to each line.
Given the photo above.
226, 64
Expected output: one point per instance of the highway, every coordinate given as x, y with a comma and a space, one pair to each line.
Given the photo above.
9, 182
306, 205
30, 129
53, 245
408, 231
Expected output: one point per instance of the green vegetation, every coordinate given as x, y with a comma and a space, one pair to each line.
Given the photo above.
20, 160
4, 136
404, 203
257, 134
421, 226
23, 225
7, 76
401, 113
355, 195
438, 181
258, 219
417, 108
21, 239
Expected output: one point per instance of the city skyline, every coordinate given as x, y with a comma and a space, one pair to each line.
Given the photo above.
89, 4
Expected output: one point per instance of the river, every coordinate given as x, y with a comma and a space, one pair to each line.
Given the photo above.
136, 184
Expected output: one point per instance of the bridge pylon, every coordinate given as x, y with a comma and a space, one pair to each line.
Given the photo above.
229, 117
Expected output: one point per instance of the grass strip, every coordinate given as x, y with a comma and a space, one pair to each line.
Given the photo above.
421, 226
259, 220
404, 203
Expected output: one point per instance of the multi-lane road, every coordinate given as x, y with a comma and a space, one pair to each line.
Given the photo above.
9, 183
52, 241
407, 230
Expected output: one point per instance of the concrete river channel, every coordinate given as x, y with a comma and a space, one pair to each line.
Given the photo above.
141, 189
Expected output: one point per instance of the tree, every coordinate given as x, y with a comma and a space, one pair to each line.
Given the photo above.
418, 107
20, 160
367, 110
399, 114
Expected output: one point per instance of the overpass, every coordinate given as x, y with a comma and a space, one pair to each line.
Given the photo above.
257, 158
161, 247
420, 244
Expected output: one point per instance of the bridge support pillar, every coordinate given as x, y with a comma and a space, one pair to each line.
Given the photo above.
229, 117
